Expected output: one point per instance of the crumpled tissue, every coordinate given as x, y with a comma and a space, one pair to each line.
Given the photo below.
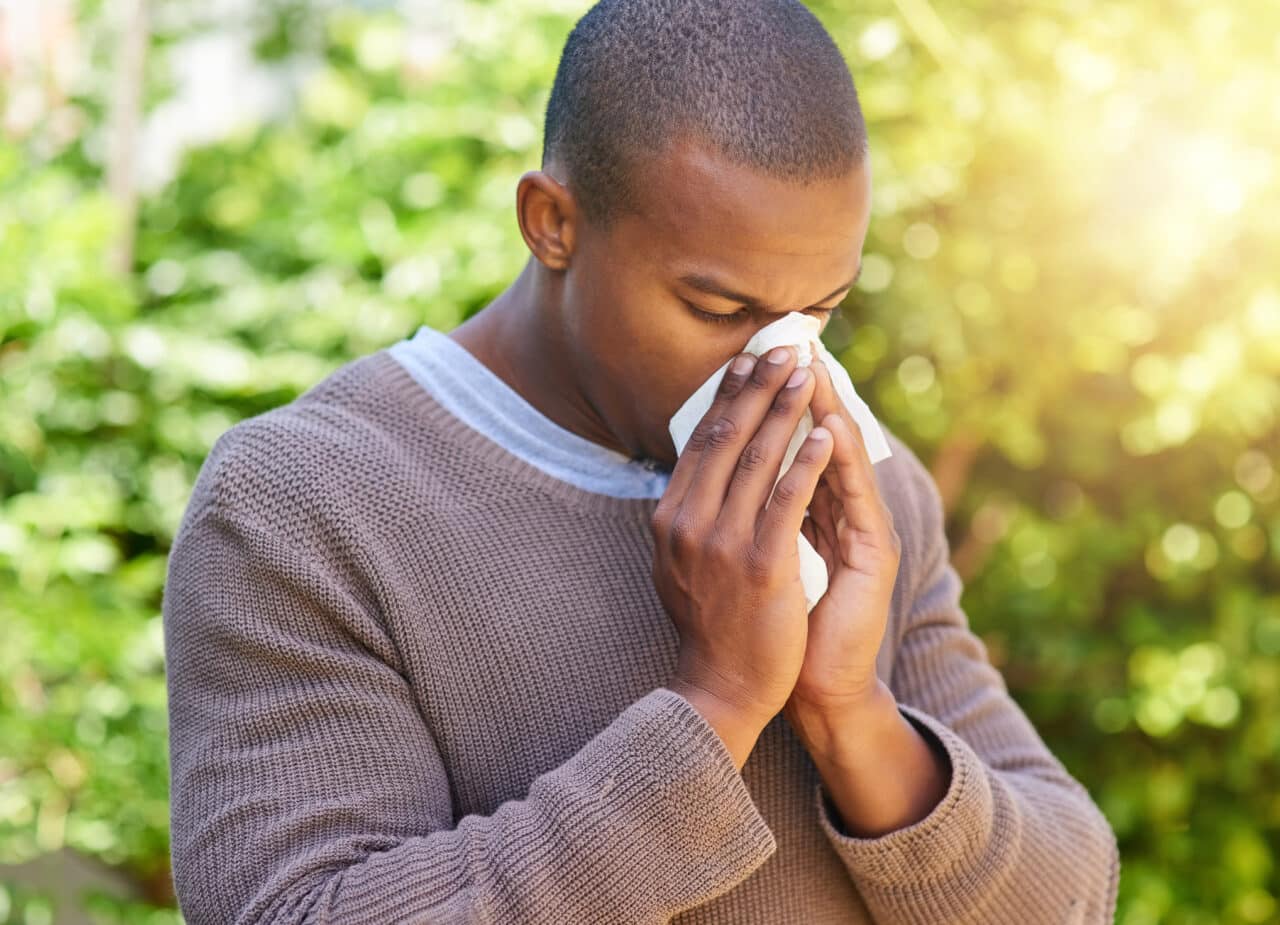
801, 331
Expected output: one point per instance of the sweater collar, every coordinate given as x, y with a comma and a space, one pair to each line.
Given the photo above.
486, 404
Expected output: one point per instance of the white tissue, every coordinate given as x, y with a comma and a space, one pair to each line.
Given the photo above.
801, 331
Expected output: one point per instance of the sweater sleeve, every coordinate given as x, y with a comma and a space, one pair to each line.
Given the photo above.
1015, 838
307, 787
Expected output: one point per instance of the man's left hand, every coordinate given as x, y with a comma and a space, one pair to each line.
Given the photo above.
852, 529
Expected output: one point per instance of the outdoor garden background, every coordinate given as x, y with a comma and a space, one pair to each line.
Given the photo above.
1070, 309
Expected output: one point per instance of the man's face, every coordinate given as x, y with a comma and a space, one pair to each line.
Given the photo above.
632, 295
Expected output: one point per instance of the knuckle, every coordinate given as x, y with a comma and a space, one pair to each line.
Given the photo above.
698, 439
752, 458
722, 433
755, 564
683, 535
783, 413
705, 434
786, 492
784, 401
732, 382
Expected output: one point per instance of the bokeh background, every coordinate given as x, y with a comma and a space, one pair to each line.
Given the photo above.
1070, 309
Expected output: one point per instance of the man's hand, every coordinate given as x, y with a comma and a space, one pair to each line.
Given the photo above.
852, 529
726, 566
878, 770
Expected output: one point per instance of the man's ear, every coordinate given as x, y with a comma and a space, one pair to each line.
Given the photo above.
548, 216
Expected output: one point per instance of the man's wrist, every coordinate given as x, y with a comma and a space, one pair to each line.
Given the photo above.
738, 729
880, 772
832, 734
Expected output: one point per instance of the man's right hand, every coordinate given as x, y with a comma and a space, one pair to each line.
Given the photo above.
726, 566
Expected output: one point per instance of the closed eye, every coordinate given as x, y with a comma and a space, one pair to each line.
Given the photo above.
741, 314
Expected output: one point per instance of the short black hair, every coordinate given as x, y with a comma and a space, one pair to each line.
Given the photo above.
761, 82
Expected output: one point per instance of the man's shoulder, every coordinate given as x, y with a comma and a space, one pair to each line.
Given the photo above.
913, 497
906, 484
306, 458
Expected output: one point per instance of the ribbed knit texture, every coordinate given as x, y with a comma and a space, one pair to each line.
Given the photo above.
413, 678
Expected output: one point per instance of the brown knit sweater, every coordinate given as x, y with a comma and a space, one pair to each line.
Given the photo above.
413, 678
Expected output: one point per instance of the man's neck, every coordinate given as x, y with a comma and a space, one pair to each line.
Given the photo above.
517, 336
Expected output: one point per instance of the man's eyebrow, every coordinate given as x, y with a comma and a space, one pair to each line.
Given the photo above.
709, 285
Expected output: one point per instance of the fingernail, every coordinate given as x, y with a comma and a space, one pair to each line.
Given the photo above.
819, 433
742, 365
778, 355
797, 377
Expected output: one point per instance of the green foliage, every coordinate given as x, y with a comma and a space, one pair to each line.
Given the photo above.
1069, 308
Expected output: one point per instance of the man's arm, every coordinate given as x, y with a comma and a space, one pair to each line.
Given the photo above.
880, 770
306, 786
1014, 838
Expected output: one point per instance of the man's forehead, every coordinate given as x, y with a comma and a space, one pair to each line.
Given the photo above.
691, 191
698, 208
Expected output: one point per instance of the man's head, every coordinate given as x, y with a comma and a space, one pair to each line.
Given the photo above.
699, 155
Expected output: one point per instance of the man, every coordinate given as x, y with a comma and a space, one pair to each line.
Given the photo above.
454, 636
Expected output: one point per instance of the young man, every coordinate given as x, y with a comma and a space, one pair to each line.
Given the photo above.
454, 636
